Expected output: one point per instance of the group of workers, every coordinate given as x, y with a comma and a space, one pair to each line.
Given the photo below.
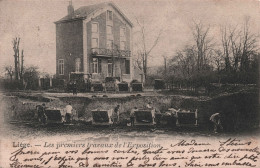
43, 118
115, 114
215, 119
149, 107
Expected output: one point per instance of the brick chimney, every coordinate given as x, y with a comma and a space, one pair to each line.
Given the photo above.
70, 9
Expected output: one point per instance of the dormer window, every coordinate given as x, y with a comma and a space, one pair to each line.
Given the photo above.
109, 15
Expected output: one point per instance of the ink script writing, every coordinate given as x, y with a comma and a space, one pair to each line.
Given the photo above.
229, 152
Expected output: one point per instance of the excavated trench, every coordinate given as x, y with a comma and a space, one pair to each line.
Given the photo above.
240, 110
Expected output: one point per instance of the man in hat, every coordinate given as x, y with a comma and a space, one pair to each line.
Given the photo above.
216, 120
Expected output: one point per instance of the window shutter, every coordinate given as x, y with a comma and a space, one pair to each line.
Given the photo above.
127, 66
99, 66
123, 64
92, 67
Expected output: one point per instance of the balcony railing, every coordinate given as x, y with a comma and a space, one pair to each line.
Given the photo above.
110, 52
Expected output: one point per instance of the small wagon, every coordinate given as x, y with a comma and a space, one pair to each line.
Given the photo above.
53, 115
111, 83
144, 117
102, 117
186, 117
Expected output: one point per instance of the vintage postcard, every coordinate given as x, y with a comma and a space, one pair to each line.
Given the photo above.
129, 83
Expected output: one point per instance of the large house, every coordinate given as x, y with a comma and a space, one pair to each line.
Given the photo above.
96, 40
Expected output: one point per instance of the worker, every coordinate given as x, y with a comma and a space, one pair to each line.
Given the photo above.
216, 120
74, 88
89, 81
132, 116
41, 113
115, 114
13, 112
68, 115
149, 105
158, 115
116, 85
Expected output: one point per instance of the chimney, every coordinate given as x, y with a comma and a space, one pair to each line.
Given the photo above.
70, 9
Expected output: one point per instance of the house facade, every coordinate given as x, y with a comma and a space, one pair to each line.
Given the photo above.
96, 40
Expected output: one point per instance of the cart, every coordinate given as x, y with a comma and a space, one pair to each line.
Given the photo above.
102, 117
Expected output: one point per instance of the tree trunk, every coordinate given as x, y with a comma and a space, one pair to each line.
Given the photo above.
16, 57
21, 71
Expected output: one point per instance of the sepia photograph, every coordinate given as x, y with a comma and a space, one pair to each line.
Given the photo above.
129, 83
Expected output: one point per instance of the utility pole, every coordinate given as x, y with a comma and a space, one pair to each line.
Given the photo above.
165, 65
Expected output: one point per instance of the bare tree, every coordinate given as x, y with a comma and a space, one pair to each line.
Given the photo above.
249, 46
22, 67
10, 71
187, 61
203, 44
165, 65
235, 39
218, 59
225, 39
238, 46
16, 42
138, 62
18, 64
31, 75
145, 52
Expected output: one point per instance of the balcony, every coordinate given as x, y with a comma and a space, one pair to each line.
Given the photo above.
103, 52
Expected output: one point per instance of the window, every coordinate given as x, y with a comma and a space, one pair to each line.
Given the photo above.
95, 65
109, 67
109, 15
127, 66
122, 45
94, 28
61, 66
122, 32
109, 30
77, 64
109, 44
94, 43
122, 38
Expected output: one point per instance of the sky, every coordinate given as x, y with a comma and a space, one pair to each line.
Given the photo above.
33, 21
